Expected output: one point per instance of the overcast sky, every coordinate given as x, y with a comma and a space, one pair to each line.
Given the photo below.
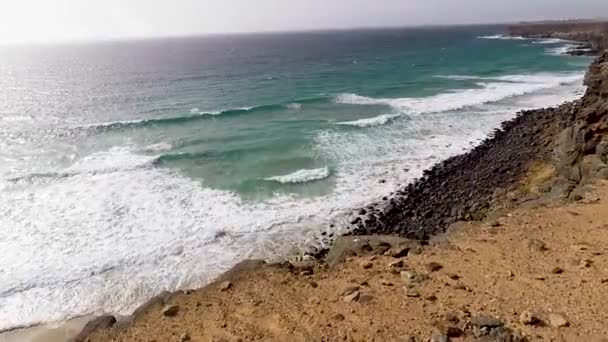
58, 20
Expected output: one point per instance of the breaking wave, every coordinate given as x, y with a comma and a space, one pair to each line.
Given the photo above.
490, 89
302, 176
369, 122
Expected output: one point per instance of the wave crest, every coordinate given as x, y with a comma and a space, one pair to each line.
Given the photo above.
302, 176
369, 122
490, 89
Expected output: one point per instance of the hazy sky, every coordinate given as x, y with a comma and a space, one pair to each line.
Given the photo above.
54, 20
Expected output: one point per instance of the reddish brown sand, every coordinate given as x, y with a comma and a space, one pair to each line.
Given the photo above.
549, 260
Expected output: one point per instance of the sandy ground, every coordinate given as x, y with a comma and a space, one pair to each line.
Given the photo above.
546, 264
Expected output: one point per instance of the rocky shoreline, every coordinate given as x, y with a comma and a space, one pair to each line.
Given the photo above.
593, 35
467, 187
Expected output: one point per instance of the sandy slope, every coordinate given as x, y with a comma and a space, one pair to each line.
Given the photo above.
500, 271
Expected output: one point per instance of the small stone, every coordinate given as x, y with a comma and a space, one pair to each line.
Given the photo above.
413, 277
387, 283
494, 223
306, 273
528, 318
558, 321
349, 290
225, 286
510, 274
580, 247
486, 322
557, 270
431, 298
452, 317
433, 266
407, 338
364, 299
184, 337
339, 317
539, 277
170, 310
439, 338
453, 276
353, 297
459, 286
537, 245
366, 265
400, 251
396, 264
412, 293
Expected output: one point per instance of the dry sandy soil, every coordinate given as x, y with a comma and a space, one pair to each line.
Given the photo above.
543, 272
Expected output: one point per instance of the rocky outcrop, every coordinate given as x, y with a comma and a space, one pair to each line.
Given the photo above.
581, 153
594, 33
572, 137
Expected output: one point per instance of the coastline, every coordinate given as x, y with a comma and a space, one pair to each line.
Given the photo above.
484, 182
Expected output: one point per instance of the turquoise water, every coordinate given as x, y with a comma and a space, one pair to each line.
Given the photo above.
154, 165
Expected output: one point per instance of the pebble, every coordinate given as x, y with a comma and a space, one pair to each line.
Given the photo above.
366, 265
412, 293
184, 337
225, 286
396, 264
349, 290
529, 318
170, 310
537, 245
433, 266
558, 321
486, 322
439, 338
557, 270
353, 297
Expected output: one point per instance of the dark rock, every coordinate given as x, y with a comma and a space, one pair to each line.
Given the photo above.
225, 286
485, 322
98, 323
433, 266
170, 310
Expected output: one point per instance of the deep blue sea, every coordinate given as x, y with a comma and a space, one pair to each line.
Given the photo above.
129, 168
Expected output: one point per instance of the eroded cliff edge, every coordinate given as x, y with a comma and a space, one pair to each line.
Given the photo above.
593, 33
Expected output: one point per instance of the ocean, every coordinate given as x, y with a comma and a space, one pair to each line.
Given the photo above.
129, 168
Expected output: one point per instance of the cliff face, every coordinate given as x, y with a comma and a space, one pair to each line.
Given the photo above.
582, 148
594, 33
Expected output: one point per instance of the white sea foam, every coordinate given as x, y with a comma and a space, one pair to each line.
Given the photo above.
551, 41
502, 37
302, 176
369, 122
506, 87
294, 106
562, 50
459, 77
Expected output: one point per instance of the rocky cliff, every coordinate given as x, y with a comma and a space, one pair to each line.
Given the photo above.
593, 33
